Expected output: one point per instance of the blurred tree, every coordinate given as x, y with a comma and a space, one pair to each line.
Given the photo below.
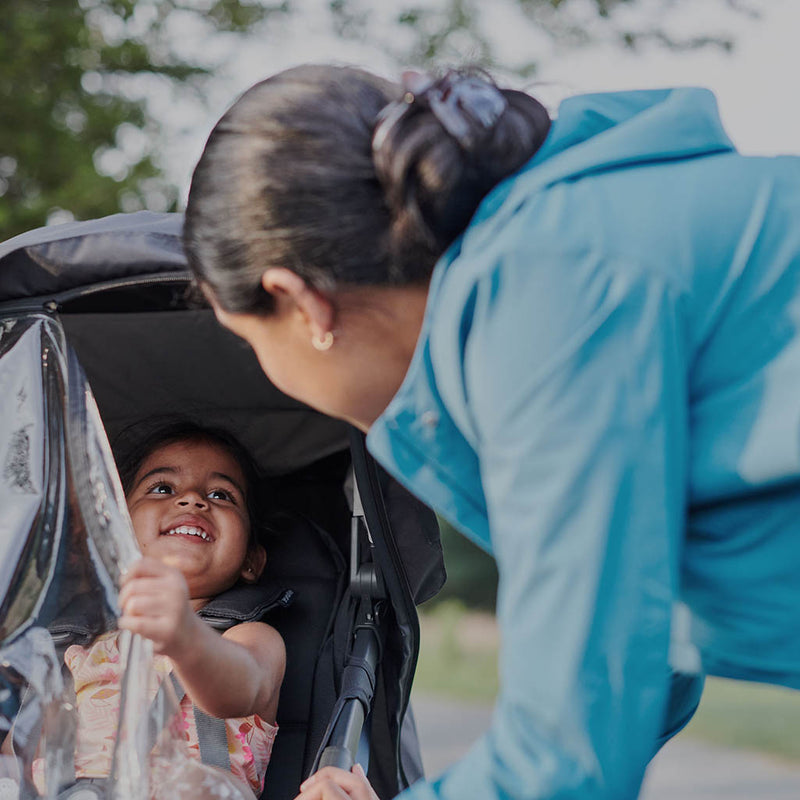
68, 73
449, 30
77, 137
471, 573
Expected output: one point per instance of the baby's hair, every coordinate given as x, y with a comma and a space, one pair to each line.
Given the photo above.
136, 442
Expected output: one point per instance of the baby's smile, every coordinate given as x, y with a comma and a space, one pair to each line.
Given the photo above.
188, 530
189, 526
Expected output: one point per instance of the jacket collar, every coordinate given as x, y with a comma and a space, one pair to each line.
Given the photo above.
598, 132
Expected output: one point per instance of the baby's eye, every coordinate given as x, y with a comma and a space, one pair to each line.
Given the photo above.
160, 488
222, 494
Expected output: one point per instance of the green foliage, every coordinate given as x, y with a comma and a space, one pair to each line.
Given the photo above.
75, 129
67, 72
749, 715
436, 30
459, 30
455, 659
471, 573
459, 656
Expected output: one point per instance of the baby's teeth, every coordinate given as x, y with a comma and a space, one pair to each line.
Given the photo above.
189, 530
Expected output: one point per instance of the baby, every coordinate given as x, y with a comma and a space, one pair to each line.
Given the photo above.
190, 497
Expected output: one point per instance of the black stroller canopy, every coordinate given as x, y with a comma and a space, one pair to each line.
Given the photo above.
112, 279
65, 257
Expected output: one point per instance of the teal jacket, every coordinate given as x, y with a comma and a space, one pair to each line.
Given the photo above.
606, 396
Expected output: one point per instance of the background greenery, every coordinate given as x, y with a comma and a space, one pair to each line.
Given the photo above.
458, 658
471, 573
78, 137
75, 131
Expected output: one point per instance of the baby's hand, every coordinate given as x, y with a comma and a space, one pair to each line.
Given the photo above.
155, 604
331, 783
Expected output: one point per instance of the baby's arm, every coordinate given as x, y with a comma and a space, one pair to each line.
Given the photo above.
233, 675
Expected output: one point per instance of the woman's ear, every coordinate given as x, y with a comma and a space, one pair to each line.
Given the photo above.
293, 294
254, 563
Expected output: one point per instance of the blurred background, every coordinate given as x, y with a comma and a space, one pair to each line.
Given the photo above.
107, 103
106, 106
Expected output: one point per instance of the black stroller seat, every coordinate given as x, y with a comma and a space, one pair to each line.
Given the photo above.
304, 555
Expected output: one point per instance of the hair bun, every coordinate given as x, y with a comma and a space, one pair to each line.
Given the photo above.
466, 105
443, 146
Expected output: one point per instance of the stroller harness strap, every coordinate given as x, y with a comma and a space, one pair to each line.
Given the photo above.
358, 681
212, 734
245, 603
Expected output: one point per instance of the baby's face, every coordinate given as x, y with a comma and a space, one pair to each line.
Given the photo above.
189, 509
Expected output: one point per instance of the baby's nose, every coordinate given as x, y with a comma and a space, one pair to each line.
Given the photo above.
192, 499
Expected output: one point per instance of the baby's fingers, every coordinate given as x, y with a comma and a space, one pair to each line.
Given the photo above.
325, 790
358, 770
140, 625
146, 567
331, 783
141, 591
153, 629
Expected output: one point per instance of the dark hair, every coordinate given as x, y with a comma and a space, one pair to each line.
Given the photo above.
135, 443
288, 178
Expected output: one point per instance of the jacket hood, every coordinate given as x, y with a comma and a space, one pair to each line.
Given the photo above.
598, 132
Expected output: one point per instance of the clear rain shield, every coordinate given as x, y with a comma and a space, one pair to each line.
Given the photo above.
65, 540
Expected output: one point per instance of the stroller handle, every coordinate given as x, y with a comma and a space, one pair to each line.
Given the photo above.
333, 756
358, 689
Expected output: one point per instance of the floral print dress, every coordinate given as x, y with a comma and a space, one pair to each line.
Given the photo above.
97, 673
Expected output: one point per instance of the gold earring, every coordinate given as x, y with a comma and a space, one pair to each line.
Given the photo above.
323, 343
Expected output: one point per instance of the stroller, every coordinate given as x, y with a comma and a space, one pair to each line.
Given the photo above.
96, 334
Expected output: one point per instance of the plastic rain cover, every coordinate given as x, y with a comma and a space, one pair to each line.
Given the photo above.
65, 539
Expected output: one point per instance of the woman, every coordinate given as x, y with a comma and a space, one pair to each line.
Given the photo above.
577, 341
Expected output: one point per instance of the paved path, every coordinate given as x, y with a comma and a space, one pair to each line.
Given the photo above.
686, 769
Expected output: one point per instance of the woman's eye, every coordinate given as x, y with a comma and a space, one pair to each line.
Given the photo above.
221, 494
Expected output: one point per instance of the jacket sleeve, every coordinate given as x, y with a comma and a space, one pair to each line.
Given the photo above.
574, 395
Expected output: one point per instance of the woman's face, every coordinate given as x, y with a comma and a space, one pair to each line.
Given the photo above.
374, 336
284, 351
188, 508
